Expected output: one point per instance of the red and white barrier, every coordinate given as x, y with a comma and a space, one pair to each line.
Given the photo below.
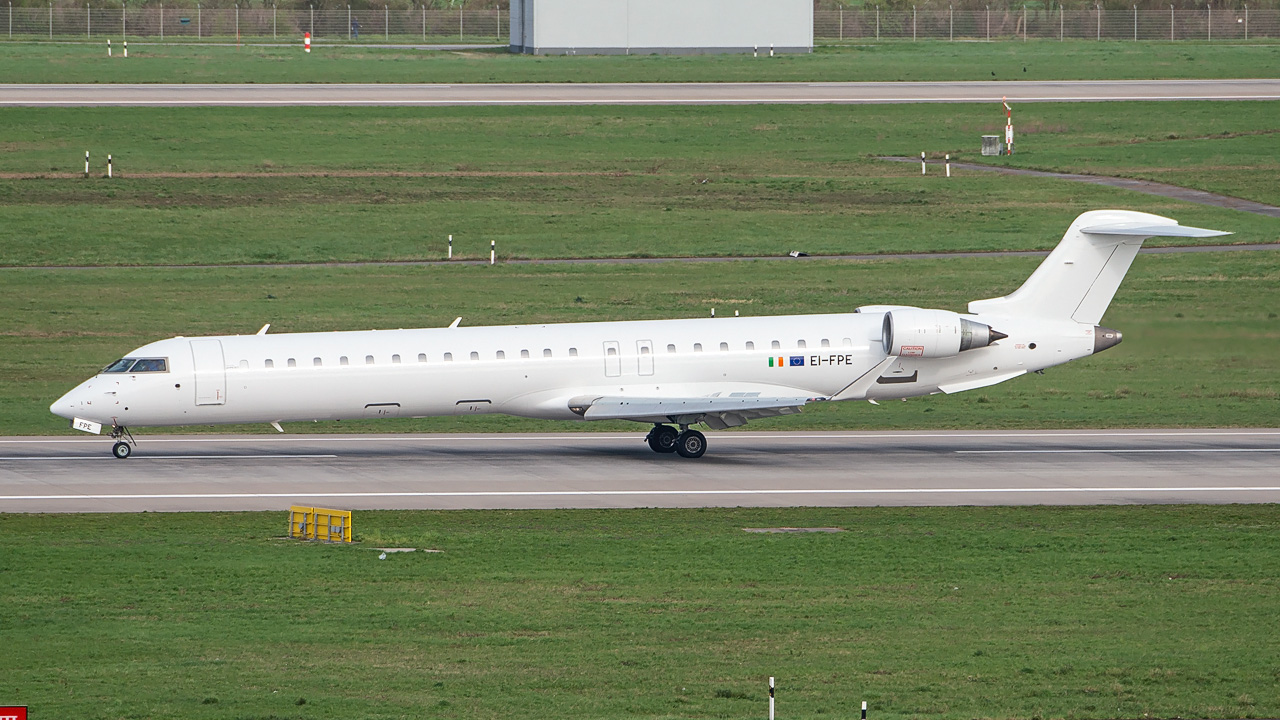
306, 42
1008, 127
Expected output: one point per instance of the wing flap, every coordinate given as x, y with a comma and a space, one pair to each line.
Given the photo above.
717, 412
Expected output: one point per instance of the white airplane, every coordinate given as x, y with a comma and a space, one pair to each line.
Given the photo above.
671, 373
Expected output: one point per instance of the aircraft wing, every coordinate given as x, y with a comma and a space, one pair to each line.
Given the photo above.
717, 413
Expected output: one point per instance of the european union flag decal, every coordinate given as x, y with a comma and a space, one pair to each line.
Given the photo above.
797, 360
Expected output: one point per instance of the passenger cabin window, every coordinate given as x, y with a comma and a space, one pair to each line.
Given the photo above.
611, 351
422, 357
847, 342
546, 352
644, 350
501, 355
244, 364
801, 344
268, 364
317, 362
724, 347
368, 359
671, 348
475, 355
448, 357
751, 345
293, 363
524, 354
343, 360
776, 345
395, 359
573, 352
697, 347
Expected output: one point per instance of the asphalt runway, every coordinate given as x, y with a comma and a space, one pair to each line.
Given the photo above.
612, 470
636, 93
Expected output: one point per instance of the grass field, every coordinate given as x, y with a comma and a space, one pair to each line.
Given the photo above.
887, 61
301, 184
1201, 331
1124, 612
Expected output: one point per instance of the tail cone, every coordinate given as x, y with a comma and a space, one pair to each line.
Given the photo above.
1104, 338
997, 335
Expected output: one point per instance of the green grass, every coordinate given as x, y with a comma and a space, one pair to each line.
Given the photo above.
319, 184
1201, 331
1117, 612
886, 61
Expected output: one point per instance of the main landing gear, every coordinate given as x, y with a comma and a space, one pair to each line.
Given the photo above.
683, 442
122, 449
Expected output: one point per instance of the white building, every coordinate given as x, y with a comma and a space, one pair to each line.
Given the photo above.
642, 27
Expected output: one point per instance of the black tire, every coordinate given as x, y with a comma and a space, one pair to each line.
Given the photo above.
122, 450
691, 444
662, 439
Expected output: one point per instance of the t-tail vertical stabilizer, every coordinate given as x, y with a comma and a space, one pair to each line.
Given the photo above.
1081, 275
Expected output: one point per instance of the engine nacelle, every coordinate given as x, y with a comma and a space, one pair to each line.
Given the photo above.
933, 333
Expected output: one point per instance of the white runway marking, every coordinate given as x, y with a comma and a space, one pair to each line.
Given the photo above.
37, 458
629, 101
1115, 451
646, 493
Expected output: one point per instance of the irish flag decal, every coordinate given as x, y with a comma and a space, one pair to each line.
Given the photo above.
776, 362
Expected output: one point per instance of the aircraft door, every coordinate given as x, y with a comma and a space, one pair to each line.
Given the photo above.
612, 359
644, 356
211, 372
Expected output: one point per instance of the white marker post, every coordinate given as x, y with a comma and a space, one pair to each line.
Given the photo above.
864, 710
306, 41
493, 251
770, 698
755, 51
108, 166
86, 163
1008, 128
922, 166
948, 164
126, 48
108, 48
770, 49
450, 247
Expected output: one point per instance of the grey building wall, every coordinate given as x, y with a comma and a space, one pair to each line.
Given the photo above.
548, 27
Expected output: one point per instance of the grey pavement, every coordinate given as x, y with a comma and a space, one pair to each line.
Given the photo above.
635, 93
592, 470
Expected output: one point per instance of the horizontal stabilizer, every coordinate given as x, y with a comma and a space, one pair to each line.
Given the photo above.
1138, 229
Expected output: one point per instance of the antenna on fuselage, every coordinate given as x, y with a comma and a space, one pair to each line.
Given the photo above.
263, 331
455, 322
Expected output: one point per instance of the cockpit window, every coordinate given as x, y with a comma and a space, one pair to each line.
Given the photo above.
150, 365
120, 366
143, 365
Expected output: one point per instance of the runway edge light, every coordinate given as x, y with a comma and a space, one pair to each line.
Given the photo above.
325, 525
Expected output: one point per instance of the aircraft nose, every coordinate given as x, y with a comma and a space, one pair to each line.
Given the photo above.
69, 404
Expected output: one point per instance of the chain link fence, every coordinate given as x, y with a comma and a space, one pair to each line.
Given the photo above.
1025, 23
258, 23
492, 26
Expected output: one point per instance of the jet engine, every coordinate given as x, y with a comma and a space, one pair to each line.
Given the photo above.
913, 332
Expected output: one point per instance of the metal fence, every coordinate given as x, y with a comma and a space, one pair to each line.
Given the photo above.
492, 26
1024, 23
155, 23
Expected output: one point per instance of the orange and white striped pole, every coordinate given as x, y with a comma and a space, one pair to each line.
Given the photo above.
306, 41
1008, 127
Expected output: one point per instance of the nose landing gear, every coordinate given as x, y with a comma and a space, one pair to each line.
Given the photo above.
684, 442
122, 449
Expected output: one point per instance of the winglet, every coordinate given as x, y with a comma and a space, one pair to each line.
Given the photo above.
276, 424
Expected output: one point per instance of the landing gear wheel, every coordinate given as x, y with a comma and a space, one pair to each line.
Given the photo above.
662, 439
691, 444
122, 450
